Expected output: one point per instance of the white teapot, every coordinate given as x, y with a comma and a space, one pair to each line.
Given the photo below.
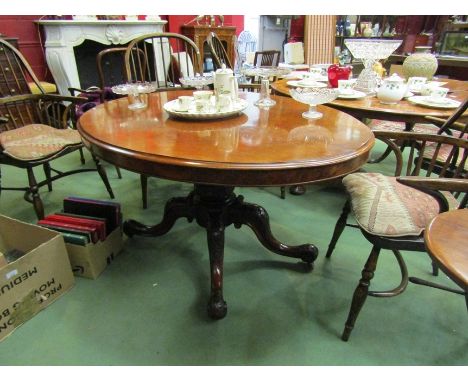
224, 82
392, 89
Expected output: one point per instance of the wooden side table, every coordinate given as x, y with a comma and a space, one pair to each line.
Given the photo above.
199, 33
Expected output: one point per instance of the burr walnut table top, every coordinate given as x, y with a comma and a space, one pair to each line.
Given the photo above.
259, 147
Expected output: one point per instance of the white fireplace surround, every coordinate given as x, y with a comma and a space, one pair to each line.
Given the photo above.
63, 35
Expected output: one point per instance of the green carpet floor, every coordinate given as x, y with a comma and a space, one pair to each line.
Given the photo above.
149, 306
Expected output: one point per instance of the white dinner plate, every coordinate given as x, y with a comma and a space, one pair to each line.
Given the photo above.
425, 101
300, 84
417, 89
355, 95
237, 107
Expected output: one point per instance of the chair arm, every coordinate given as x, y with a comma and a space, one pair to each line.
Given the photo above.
38, 97
440, 121
434, 186
438, 184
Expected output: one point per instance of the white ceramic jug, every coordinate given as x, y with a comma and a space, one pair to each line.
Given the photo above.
392, 89
224, 82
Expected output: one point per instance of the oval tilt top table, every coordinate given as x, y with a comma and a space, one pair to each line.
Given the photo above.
259, 147
403, 111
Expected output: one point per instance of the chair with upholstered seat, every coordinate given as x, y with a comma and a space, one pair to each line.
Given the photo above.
35, 130
218, 52
393, 211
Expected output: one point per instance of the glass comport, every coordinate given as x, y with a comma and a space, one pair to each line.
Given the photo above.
369, 51
314, 97
265, 73
134, 91
198, 81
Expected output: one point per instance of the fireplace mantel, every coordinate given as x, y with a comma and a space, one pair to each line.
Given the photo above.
63, 35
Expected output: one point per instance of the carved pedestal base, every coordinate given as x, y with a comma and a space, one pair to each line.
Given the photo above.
215, 208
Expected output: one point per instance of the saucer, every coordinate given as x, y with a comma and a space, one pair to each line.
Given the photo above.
425, 101
354, 95
302, 84
438, 101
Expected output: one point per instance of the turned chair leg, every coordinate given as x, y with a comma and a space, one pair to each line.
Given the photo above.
82, 159
361, 292
34, 190
103, 175
144, 190
339, 227
119, 174
435, 269
47, 172
283, 192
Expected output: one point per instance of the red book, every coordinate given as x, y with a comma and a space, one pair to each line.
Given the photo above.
73, 227
100, 226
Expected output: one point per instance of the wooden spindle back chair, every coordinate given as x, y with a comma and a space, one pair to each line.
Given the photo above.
167, 57
267, 58
393, 211
35, 129
218, 52
15, 72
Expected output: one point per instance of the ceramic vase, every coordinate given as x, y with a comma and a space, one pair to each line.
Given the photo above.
422, 63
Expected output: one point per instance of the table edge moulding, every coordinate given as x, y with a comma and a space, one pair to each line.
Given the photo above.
63, 35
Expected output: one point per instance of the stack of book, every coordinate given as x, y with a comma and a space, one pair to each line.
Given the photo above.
84, 221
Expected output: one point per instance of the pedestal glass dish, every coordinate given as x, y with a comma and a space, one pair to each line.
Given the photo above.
265, 73
134, 92
369, 51
314, 97
197, 81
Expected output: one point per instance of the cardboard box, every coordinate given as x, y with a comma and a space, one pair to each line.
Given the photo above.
36, 279
90, 260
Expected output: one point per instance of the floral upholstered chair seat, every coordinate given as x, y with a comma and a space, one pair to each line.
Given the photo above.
37, 141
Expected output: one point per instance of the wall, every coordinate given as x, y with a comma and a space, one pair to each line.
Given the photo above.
29, 40
30, 37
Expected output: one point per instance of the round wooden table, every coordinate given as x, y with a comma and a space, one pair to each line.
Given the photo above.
259, 147
403, 111
446, 242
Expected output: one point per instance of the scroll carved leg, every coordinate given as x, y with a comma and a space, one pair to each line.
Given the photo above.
256, 217
175, 208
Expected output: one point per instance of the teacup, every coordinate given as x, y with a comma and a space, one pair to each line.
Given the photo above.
346, 86
224, 102
438, 95
427, 88
415, 83
183, 103
202, 95
202, 105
